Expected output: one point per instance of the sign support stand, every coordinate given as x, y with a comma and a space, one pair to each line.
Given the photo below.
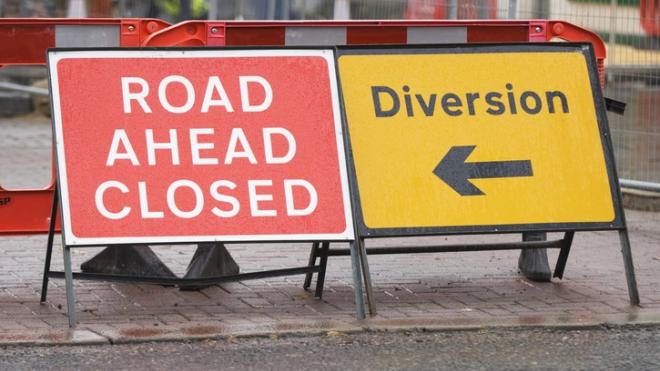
312, 260
320, 276
70, 294
66, 255
49, 245
563, 255
367, 276
629, 267
357, 279
322, 251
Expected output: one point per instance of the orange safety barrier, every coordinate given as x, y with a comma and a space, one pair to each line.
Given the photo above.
25, 42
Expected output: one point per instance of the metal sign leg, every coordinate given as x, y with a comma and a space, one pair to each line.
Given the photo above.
367, 277
357, 280
629, 267
320, 276
312, 261
566, 243
70, 295
49, 246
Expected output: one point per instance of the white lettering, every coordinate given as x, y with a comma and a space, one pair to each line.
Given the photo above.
268, 145
237, 135
172, 145
113, 155
255, 197
288, 195
196, 146
199, 199
190, 94
214, 84
144, 204
215, 193
245, 94
100, 205
139, 96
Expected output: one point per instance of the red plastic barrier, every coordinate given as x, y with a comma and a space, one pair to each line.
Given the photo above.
650, 16
218, 33
25, 42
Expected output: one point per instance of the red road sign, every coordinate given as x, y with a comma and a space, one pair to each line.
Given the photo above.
199, 145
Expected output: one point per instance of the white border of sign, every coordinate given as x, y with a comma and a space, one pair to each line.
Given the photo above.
54, 56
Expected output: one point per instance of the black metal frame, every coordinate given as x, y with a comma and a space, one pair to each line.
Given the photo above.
563, 244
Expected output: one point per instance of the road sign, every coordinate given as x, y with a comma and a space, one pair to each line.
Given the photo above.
199, 145
478, 139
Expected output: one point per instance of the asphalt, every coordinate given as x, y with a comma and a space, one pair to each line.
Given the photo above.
603, 348
439, 291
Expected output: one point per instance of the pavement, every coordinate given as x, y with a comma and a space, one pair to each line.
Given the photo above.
412, 291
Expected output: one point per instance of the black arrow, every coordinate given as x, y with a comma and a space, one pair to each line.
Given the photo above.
454, 171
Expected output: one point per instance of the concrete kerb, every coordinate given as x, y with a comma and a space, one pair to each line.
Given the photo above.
65, 337
640, 200
262, 331
91, 336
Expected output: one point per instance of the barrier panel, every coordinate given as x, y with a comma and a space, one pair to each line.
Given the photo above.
26, 41
480, 139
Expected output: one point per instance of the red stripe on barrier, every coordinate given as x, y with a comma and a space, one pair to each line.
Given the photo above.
254, 35
25, 44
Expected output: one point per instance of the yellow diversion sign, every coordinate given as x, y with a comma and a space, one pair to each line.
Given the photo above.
478, 139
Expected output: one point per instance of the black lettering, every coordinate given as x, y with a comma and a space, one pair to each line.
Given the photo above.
450, 100
550, 95
493, 100
5, 201
375, 94
512, 101
406, 98
387, 102
429, 107
471, 97
537, 102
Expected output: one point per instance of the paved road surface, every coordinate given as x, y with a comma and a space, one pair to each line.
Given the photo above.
500, 349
